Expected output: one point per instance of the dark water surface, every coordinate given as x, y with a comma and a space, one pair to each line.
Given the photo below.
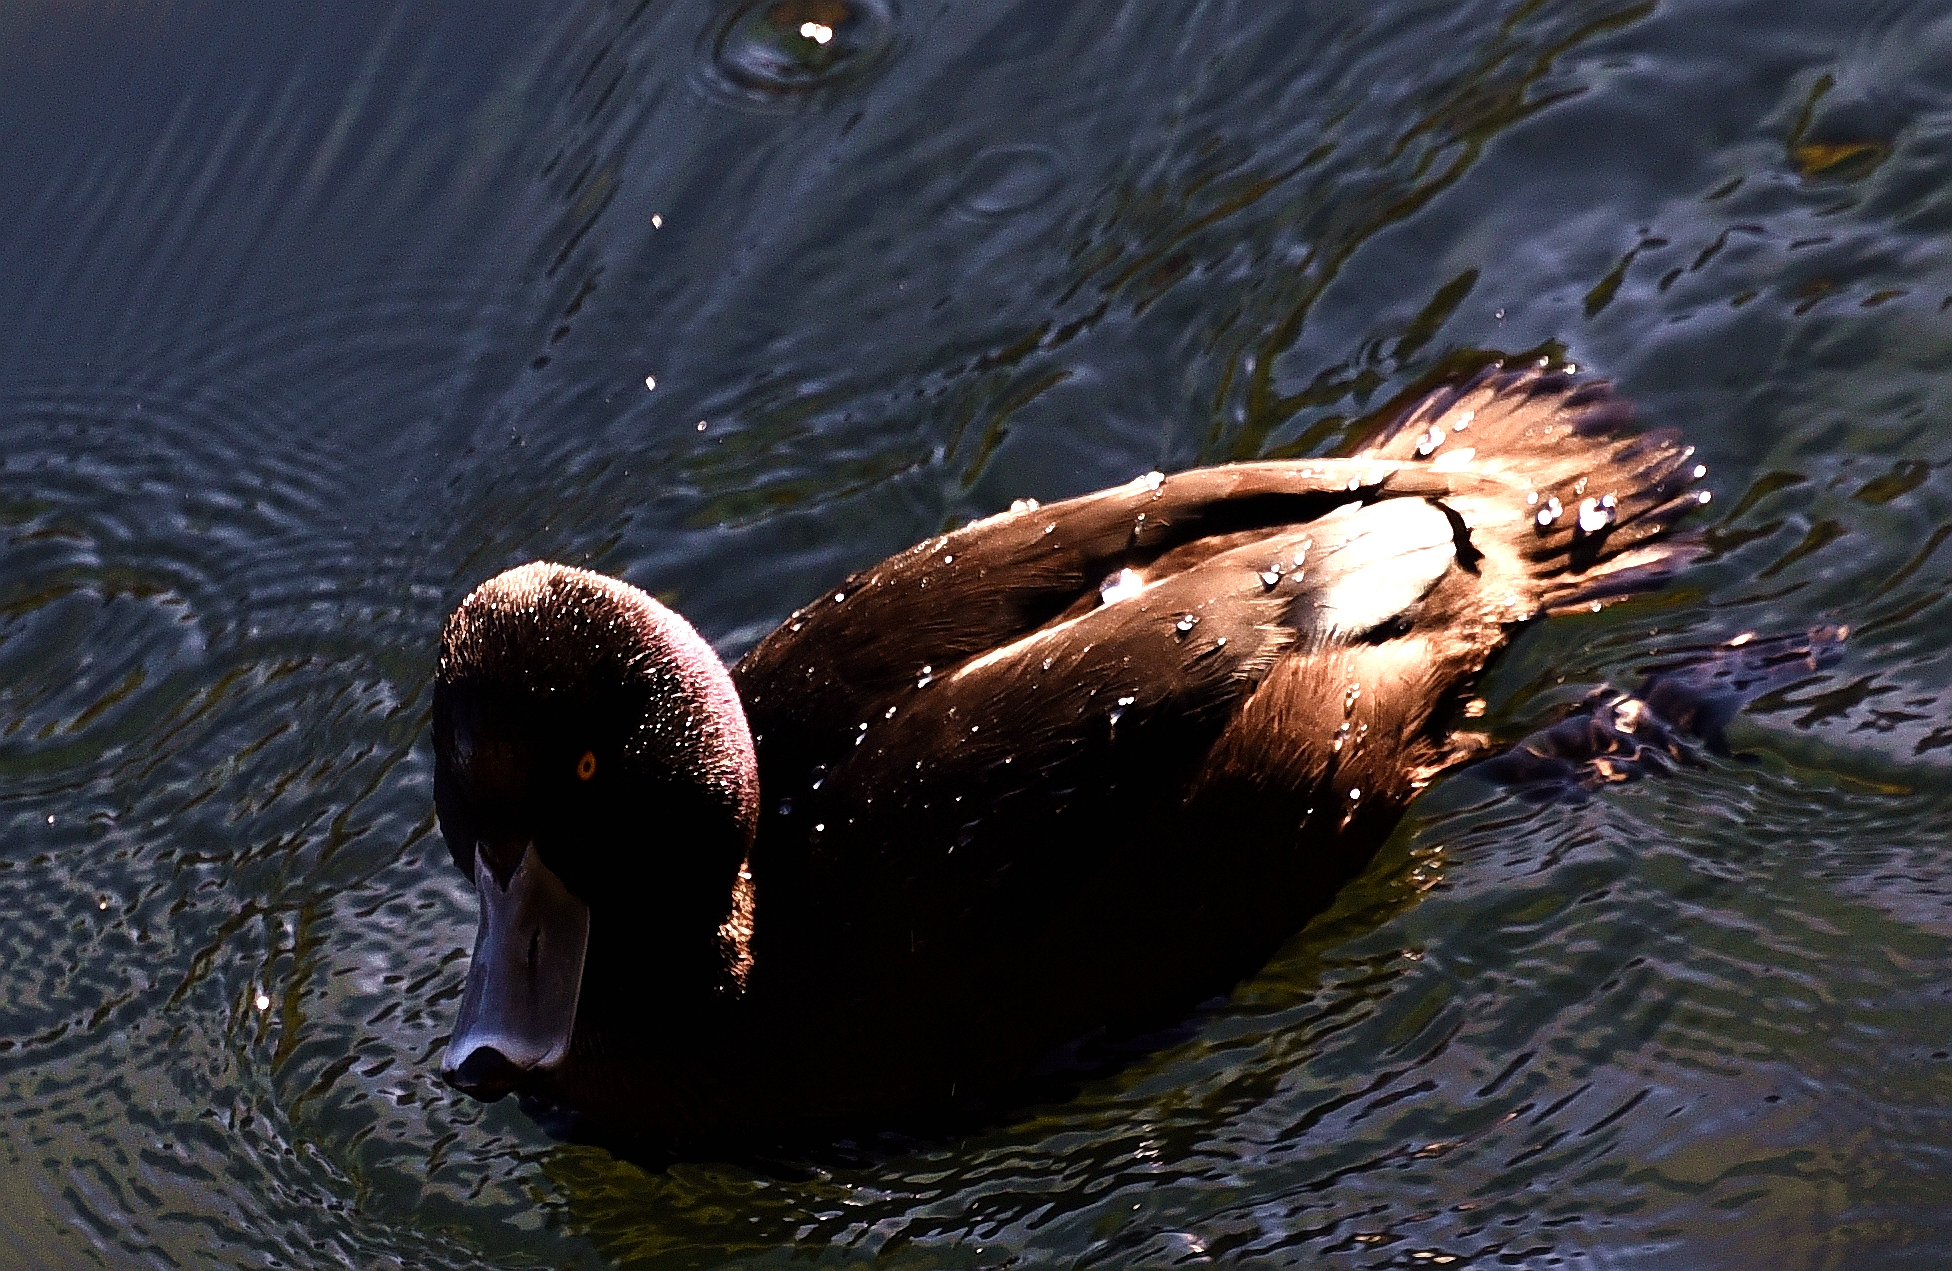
312, 319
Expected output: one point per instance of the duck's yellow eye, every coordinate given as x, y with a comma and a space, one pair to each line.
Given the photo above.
586, 766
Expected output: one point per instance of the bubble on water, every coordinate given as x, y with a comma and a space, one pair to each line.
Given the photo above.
926, 678
772, 50
262, 1001
1187, 621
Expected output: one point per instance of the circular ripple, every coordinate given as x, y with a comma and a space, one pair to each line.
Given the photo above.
1006, 179
784, 48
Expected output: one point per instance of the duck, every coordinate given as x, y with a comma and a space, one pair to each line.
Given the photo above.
1059, 775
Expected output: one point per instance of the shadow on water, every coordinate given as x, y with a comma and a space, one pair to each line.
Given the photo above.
880, 1197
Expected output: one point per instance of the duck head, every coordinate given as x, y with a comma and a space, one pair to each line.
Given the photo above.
596, 782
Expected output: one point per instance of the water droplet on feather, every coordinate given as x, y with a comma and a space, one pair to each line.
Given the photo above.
1594, 516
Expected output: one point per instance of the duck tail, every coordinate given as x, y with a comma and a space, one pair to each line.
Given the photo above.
1575, 494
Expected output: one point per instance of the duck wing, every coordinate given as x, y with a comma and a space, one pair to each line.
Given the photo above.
977, 652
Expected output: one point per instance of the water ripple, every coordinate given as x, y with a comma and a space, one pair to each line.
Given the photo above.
771, 49
310, 328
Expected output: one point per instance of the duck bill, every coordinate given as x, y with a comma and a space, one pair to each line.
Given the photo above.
519, 1008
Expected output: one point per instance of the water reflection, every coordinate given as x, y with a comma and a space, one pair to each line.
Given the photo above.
312, 327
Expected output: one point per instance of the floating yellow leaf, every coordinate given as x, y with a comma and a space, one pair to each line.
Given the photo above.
1818, 158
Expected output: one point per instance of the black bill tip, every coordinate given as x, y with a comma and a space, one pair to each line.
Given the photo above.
486, 1074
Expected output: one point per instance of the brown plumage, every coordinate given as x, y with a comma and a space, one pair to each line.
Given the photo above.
1065, 771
